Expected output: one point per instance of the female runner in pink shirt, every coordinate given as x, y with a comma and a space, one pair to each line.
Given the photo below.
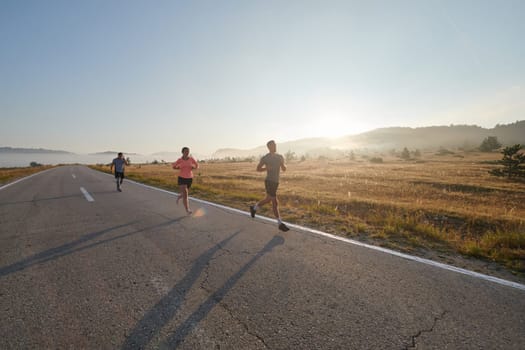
186, 164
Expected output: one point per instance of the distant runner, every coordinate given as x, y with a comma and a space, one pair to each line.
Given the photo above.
272, 163
186, 164
119, 163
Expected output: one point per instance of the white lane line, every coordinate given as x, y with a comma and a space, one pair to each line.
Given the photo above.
86, 194
361, 244
73, 175
416, 258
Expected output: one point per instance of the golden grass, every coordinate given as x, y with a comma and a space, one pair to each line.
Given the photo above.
11, 174
448, 204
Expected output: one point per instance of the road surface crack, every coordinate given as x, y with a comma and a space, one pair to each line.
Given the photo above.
219, 302
243, 324
431, 329
222, 251
206, 271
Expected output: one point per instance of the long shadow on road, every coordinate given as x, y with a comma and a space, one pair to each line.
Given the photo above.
156, 318
69, 248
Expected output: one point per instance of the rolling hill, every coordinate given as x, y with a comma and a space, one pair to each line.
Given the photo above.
424, 138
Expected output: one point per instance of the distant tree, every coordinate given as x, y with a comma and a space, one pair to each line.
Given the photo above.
405, 154
376, 160
34, 164
352, 155
417, 153
128, 160
468, 146
489, 144
443, 151
289, 156
513, 162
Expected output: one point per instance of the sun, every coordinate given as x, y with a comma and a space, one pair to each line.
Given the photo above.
334, 126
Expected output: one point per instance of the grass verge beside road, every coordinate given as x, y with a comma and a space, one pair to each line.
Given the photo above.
8, 175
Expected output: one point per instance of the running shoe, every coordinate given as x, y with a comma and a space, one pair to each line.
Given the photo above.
283, 227
252, 211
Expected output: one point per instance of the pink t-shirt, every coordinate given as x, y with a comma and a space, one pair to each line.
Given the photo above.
185, 167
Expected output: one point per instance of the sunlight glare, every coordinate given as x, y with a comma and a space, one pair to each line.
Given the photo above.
199, 213
334, 126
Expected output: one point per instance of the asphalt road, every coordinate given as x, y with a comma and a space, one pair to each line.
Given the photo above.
100, 269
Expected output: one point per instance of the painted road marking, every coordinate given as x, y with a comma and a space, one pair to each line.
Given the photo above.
361, 244
74, 177
86, 194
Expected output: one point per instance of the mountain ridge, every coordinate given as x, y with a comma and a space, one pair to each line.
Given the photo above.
31, 150
381, 139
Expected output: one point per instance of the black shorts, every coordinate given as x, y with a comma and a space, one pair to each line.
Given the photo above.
271, 187
119, 174
185, 181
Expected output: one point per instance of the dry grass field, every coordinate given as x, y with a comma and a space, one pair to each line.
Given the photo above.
438, 206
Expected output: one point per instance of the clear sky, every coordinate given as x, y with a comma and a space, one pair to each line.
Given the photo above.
150, 76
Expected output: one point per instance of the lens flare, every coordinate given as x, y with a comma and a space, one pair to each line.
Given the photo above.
199, 213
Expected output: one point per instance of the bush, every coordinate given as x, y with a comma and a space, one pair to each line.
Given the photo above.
289, 156
405, 154
513, 162
490, 144
443, 152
